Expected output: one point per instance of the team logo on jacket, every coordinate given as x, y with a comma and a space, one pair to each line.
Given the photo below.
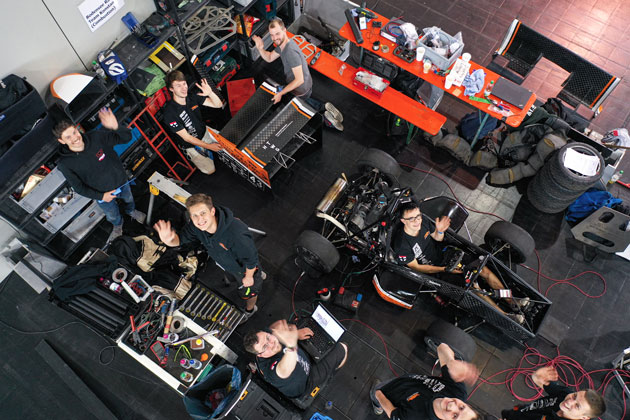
273, 365
100, 155
173, 124
402, 258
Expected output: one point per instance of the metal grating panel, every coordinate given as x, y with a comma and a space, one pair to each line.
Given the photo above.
587, 83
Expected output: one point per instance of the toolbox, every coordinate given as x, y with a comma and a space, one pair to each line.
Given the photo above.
373, 91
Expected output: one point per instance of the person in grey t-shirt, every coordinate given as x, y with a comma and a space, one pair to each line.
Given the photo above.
296, 71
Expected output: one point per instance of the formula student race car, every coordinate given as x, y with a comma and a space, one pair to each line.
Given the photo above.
361, 215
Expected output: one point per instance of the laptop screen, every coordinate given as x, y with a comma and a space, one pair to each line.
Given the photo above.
328, 323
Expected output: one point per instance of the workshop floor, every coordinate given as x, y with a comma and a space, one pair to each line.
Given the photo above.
383, 339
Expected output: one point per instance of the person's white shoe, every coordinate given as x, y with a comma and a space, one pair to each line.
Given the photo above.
332, 121
138, 216
248, 315
334, 112
116, 232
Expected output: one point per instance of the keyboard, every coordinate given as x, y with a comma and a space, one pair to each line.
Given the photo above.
320, 339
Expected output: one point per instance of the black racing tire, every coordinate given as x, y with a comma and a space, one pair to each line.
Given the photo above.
569, 179
384, 162
462, 344
520, 242
316, 251
547, 195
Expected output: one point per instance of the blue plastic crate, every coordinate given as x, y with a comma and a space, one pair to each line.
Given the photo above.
318, 416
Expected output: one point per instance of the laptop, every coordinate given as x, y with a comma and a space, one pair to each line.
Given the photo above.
326, 333
511, 93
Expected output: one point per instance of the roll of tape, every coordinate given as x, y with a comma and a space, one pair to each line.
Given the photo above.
178, 324
119, 275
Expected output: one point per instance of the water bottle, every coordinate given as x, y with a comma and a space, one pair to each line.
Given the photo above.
615, 177
488, 90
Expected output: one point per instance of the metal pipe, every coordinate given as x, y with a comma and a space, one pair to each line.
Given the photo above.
332, 195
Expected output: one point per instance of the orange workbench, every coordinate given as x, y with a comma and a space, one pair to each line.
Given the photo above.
391, 100
371, 34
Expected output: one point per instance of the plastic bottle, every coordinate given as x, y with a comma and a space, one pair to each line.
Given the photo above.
489, 87
615, 177
98, 70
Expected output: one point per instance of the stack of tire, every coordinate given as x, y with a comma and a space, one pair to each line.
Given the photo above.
555, 186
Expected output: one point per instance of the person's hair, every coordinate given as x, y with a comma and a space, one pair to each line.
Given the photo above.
174, 76
408, 206
276, 22
198, 198
250, 340
60, 127
595, 402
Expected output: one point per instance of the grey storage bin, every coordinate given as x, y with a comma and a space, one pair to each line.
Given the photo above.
441, 62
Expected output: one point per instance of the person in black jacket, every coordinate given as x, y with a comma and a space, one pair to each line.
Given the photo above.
560, 403
94, 170
227, 241
422, 397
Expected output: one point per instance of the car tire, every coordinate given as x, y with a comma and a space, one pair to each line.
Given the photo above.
567, 178
520, 242
316, 251
384, 162
461, 342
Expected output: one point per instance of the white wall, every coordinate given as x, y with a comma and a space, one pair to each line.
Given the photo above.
43, 39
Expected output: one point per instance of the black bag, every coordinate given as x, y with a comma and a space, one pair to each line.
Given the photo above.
20, 107
12, 89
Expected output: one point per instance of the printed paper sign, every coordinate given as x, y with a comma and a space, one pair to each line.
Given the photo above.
97, 12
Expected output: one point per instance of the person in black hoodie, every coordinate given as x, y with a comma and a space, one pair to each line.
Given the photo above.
227, 241
94, 170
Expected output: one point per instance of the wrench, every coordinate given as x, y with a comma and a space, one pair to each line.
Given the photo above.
201, 302
214, 306
221, 320
202, 310
231, 323
191, 295
195, 300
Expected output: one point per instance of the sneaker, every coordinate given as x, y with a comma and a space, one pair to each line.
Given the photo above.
116, 232
378, 410
334, 112
248, 315
138, 216
332, 121
518, 318
203, 163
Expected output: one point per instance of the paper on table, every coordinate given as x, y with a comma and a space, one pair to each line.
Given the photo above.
579, 162
625, 253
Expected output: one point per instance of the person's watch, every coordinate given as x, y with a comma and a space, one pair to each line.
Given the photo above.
288, 349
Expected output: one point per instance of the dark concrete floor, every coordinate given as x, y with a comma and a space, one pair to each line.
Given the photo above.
591, 331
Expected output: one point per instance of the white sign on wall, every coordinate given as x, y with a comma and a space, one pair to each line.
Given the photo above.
97, 12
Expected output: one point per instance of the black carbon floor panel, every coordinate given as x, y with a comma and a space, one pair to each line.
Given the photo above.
278, 132
237, 129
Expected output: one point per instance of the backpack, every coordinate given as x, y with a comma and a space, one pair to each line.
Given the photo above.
470, 123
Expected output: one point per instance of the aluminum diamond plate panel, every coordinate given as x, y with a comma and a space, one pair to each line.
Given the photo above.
249, 115
278, 132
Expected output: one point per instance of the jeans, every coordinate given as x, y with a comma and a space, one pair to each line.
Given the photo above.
111, 210
317, 105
